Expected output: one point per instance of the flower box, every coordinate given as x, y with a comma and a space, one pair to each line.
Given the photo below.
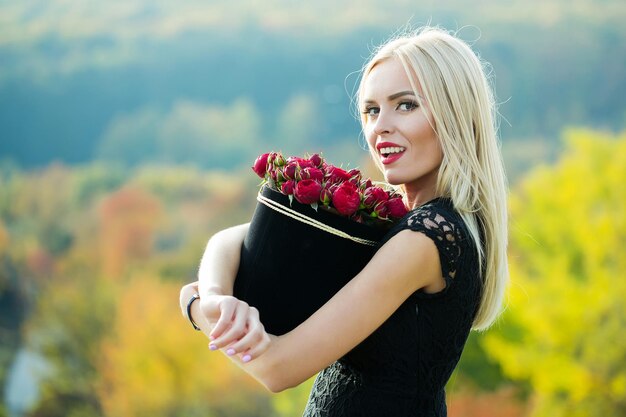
295, 258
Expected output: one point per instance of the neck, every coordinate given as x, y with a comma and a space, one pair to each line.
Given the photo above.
418, 196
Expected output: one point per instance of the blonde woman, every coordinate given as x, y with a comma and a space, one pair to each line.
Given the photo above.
387, 343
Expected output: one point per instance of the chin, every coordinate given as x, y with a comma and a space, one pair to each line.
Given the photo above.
392, 179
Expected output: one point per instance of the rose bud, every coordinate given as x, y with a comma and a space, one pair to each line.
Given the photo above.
381, 210
346, 199
260, 165
355, 176
272, 157
307, 191
373, 196
290, 170
316, 160
312, 174
279, 160
326, 196
396, 207
288, 187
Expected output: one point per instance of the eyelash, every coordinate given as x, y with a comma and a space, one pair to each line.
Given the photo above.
411, 104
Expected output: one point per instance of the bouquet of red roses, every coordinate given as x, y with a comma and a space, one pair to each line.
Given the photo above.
312, 181
314, 228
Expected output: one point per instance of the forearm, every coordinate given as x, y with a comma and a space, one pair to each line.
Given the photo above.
220, 261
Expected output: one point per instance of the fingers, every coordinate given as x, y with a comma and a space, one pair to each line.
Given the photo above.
227, 309
237, 329
254, 343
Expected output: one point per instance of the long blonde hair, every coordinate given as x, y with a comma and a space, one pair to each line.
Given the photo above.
456, 88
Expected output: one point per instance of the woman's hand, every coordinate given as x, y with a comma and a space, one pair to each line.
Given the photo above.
230, 323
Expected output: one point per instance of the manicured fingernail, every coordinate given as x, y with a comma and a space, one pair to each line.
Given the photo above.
211, 337
246, 358
212, 346
230, 352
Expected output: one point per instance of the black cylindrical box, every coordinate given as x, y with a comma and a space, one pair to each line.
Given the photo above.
290, 268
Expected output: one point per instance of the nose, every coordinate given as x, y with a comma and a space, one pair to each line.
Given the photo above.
383, 124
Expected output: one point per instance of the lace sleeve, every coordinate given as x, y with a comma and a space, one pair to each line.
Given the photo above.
443, 227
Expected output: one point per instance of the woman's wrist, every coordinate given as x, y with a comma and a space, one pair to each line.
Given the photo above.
190, 303
211, 290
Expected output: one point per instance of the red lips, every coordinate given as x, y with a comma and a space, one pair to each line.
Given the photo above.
390, 158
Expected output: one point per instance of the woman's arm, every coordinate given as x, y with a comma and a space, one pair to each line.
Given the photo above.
220, 261
222, 314
407, 262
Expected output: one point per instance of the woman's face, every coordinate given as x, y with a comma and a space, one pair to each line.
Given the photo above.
399, 132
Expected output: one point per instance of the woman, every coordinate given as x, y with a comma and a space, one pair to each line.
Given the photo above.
387, 343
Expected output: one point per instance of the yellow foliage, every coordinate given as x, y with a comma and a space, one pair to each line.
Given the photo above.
291, 403
155, 364
128, 220
564, 329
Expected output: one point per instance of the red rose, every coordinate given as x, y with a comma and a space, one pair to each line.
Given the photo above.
260, 165
290, 170
355, 176
346, 199
288, 187
336, 175
303, 163
381, 210
307, 191
316, 160
312, 174
396, 207
374, 195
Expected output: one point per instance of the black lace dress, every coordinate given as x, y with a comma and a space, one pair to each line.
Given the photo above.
401, 369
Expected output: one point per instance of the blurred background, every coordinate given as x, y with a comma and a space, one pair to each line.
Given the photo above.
127, 129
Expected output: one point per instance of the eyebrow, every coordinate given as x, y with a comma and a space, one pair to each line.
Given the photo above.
395, 96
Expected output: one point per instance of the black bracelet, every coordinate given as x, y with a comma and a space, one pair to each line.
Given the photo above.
191, 300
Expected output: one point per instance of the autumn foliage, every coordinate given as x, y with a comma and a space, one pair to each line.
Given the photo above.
94, 258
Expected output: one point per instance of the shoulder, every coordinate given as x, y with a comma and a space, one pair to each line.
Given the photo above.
437, 219
440, 223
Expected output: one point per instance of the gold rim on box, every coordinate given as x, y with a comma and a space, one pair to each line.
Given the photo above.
312, 222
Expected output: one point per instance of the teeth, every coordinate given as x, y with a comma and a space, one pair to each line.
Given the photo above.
391, 150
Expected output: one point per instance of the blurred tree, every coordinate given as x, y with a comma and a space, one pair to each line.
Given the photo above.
129, 218
503, 402
72, 315
209, 135
291, 403
155, 364
564, 327
298, 127
189, 133
130, 138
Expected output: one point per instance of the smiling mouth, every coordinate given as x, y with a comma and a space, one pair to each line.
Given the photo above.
386, 152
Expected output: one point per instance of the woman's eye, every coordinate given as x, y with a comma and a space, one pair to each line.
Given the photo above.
371, 111
407, 106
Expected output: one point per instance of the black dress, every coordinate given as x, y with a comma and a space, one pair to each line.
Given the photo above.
402, 368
